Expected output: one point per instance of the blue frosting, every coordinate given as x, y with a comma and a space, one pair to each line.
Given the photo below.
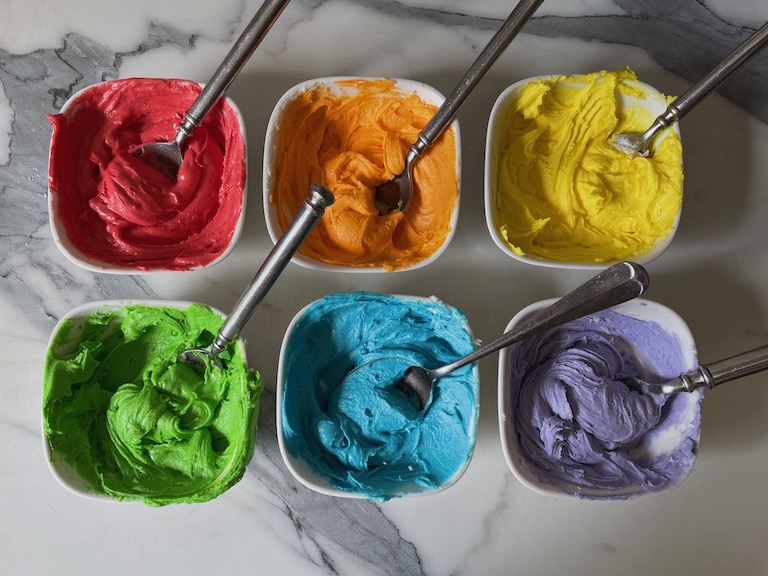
341, 411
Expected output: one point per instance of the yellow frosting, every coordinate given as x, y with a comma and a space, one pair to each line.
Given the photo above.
563, 192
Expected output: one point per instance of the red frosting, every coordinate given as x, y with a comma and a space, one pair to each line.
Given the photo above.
119, 210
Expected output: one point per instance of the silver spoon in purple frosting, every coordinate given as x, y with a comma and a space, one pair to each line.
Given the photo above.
706, 376
619, 283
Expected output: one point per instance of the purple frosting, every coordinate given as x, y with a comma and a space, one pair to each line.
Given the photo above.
581, 430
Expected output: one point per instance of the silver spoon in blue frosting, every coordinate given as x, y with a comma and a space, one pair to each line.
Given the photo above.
706, 376
619, 283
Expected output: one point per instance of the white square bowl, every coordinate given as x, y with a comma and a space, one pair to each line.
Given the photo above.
64, 472
653, 104
679, 428
425, 92
61, 236
316, 479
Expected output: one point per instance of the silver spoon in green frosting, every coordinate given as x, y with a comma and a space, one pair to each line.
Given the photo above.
314, 207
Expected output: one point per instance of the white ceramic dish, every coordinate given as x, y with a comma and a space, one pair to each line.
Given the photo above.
662, 444
62, 471
424, 91
655, 104
303, 472
61, 237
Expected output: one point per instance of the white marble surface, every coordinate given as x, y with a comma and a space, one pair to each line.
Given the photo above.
714, 275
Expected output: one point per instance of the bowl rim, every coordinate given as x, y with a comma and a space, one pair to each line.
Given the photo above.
64, 473
319, 483
424, 91
59, 232
500, 105
639, 308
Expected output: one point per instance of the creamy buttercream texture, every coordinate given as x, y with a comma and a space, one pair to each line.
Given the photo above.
352, 139
120, 211
581, 429
341, 412
137, 424
563, 191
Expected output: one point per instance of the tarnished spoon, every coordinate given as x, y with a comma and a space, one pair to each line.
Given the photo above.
619, 283
167, 156
396, 193
707, 376
314, 206
638, 143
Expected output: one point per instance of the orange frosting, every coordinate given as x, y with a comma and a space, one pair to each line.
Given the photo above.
352, 142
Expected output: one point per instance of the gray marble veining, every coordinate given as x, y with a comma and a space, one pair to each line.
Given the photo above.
38, 84
689, 43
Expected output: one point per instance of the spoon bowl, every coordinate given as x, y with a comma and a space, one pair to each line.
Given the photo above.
165, 157
636, 144
396, 194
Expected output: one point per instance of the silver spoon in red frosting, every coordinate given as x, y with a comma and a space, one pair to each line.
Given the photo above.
167, 156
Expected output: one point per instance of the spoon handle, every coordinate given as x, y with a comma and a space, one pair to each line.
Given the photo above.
501, 40
230, 67
314, 206
617, 284
734, 367
685, 103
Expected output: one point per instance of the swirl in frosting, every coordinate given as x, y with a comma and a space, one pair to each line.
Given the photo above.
120, 211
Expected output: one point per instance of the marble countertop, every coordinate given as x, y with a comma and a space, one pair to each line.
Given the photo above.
714, 275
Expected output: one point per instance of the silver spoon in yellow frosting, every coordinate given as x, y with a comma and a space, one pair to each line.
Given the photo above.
638, 143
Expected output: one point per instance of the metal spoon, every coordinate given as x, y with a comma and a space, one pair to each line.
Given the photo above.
638, 143
707, 376
396, 193
619, 283
314, 206
166, 156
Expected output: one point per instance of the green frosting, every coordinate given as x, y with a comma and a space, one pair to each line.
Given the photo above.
137, 424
